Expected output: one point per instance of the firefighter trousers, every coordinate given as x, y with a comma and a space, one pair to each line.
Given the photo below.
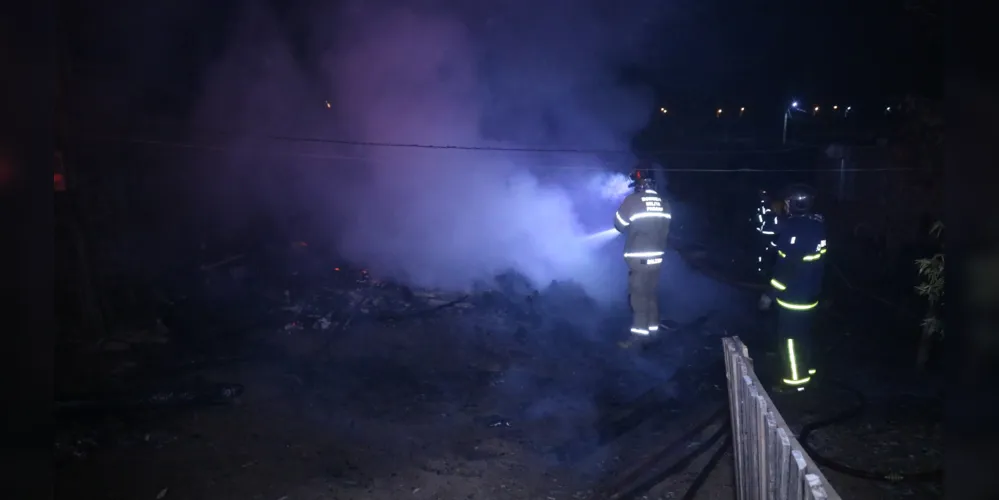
794, 332
643, 292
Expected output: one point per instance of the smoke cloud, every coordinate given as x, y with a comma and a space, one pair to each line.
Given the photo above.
510, 76
446, 218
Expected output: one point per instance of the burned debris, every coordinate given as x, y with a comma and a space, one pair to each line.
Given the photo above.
314, 321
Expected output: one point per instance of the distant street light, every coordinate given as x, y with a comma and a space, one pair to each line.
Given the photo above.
718, 113
742, 110
848, 108
815, 110
835, 108
787, 116
327, 105
663, 111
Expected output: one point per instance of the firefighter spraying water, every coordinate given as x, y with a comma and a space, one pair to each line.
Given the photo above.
644, 217
610, 187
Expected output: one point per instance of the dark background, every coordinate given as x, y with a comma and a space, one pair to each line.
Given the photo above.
794, 43
732, 54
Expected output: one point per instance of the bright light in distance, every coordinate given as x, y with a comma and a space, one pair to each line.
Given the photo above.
663, 110
816, 109
794, 104
888, 108
835, 108
742, 109
848, 108
327, 105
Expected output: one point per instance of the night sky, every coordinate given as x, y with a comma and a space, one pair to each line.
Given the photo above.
707, 52
829, 48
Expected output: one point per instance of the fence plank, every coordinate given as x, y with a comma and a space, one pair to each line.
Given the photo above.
773, 453
798, 466
733, 402
815, 488
784, 464
744, 438
769, 461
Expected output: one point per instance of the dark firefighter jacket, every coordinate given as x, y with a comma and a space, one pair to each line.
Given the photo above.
644, 217
798, 272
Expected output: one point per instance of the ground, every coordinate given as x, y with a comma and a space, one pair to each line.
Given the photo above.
351, 388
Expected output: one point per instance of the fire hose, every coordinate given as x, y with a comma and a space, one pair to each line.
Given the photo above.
855, 411
684, 461
724, 431
679, 466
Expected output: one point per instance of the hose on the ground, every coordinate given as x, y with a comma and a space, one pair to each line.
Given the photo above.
677, 467
702, 476
711, 273
874, 475
855, 411
668, 450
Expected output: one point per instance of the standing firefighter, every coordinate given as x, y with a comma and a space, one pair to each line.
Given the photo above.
796, 283
644, 217
767, 223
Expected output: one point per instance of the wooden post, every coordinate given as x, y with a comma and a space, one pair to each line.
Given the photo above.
769, 461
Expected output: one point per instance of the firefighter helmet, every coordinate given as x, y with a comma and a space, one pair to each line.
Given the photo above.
641, 176
799, 199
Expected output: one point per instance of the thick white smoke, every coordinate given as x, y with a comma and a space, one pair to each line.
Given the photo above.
610, 186
447, 75
447, 218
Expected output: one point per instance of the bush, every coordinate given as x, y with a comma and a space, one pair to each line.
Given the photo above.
931, 286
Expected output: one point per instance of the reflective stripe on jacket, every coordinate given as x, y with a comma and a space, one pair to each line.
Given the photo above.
800, 266
644, 217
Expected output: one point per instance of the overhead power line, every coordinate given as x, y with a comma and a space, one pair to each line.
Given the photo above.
498, 149
337, 156
527, 149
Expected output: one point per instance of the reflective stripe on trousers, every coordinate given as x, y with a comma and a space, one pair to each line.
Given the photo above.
643, 291
794, 306
794, 329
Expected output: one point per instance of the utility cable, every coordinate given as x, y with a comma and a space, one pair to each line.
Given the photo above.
450, 147
463, 147
346, 157
380, 144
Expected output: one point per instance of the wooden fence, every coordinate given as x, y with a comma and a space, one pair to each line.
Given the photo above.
769, 461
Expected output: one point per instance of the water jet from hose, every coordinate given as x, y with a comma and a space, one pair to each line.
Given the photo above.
602, 237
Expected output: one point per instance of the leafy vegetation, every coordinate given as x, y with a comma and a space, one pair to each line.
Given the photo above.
931, 286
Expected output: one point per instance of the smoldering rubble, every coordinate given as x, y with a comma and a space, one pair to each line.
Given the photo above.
337, 334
